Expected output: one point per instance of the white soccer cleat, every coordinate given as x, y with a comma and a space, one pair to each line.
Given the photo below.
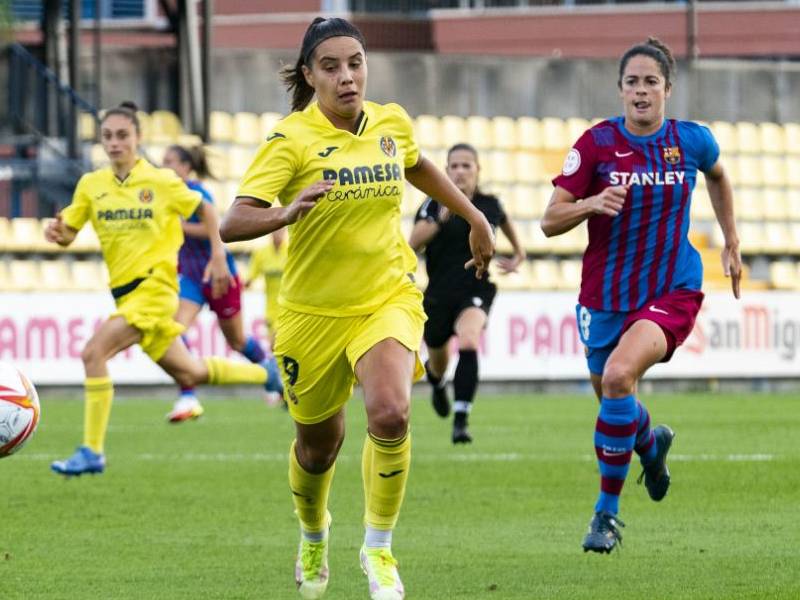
186, 408
380, 568
311, 569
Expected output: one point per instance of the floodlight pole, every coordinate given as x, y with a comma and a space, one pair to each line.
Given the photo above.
692, 51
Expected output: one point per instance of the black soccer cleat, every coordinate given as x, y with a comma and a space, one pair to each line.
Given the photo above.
439, 399
656, 474
604, 533
461, 434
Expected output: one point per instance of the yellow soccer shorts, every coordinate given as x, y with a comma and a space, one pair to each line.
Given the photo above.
317, 354
151, 309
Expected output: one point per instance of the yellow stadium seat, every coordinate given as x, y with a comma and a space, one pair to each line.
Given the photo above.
98, 156
529, 133
772, 138
750, 170
529, 167
217, 159
554, 134
731, 165
793, 171
479, 132
570, 274
504, 133
777, 238
783, 275
217, 190
794, 237
87, 126
88, 275
165, 127
776, 207
545, 274
698, 239
773, 170
155, 153
246, 129
55, 275
793, 203
428, 131
725, 134
748, 204
501, 166
573, 241
5, 281
239, 159
575, 129
26, 235
189, 140
701, 209
24, 275
791, 133
5, 233
751, 237
86, 240
523, 202
544, 193
454, 130
145, 125
220, 127
748, 138
268, 122
517, 280
229, 190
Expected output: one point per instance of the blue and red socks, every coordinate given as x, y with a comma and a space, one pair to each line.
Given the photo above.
253, 351
615, 435
645, 446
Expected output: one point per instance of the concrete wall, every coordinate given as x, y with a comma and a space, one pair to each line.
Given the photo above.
247, 80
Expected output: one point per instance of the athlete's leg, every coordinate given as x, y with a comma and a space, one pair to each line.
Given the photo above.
187, 406
640, 347
312, 463
112, 337
385, 372
468, 327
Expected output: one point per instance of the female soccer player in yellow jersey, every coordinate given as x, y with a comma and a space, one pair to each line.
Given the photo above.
136, 210
349, 309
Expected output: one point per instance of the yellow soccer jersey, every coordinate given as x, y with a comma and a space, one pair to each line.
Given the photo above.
347, 255
138, 221
270, 263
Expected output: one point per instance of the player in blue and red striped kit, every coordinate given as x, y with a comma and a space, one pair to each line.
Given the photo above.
194, 292
632, 178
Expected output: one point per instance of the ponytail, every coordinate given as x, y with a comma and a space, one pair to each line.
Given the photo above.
196, 158
295, 82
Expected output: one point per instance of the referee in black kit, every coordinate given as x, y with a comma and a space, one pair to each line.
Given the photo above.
456, 302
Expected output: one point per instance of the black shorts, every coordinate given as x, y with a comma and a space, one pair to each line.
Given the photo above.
443, 311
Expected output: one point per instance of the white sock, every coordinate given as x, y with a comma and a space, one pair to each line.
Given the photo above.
378, 538
462, 406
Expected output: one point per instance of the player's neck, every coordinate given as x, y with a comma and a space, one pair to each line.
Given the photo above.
346, 123
122, 170
642, 130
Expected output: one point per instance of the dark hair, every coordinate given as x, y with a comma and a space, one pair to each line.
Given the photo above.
194, 157
126, 109
655, 49
320, 30
462, 146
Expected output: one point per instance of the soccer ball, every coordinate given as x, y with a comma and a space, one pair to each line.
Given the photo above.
19, 409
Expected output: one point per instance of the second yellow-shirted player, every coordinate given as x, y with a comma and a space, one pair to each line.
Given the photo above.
136, 209
269, 262
349, 309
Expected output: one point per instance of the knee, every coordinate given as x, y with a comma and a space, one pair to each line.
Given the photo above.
92, 355
319, 456
469, 344
389, 418
618, 380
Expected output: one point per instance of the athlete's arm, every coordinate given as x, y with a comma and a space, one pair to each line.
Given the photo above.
422, 233
565, 211
427, 178
509, 265
721, 194
216, 271
195, 230
249, 218
59, 232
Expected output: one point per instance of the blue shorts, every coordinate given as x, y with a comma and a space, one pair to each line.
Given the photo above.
600, 330
226, 307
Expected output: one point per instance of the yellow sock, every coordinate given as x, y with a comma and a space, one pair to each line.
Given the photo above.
385, 465
222, 371
99, 392
310, 494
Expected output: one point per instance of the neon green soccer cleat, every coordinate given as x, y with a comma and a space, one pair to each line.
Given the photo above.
381, 569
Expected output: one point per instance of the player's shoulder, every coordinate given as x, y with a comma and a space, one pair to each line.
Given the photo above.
293, 128
603, 133
691, 128
390, 111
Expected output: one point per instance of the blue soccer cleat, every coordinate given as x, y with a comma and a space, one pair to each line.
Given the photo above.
656, 474
85, 460
274, 383
604, 534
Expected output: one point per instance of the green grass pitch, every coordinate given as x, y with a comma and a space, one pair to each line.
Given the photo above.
202, 510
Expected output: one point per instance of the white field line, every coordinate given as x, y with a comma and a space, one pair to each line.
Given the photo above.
418, 457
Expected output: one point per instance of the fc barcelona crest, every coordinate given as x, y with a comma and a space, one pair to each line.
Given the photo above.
672, 155
145, 196
388, 146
